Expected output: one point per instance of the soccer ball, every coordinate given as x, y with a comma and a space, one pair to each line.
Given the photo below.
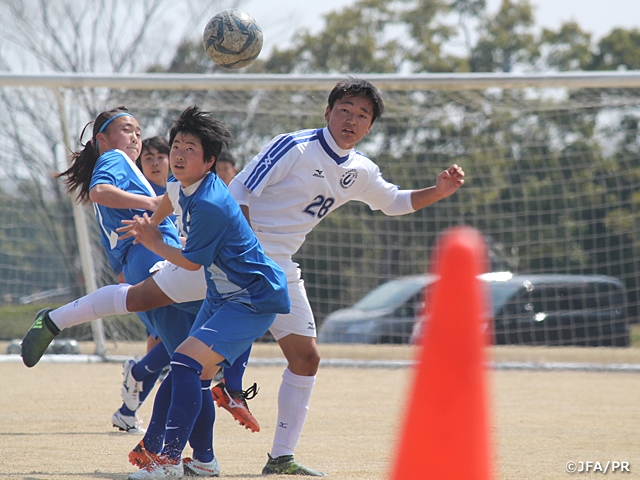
232, 39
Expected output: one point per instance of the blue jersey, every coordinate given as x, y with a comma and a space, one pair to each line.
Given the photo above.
220, 239
116, 168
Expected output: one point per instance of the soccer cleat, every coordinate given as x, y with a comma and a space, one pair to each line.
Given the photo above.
196, 468
286, 465
38, 338
131, 387
235, 402
129, 424
163, 467
141, 457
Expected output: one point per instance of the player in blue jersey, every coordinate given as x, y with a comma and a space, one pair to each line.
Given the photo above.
140, 376
245, 289
105, 173
285, 191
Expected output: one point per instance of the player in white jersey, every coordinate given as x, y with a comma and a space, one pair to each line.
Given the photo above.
285, 191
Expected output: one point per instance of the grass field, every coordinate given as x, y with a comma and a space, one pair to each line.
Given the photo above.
55, 418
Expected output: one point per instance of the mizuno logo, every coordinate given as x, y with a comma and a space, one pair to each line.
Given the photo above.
283, 425
319, 174
311, 326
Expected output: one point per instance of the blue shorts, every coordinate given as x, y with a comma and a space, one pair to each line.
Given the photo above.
171, 323
230, 328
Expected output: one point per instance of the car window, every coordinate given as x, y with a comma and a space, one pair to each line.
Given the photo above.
564, 298
392, 294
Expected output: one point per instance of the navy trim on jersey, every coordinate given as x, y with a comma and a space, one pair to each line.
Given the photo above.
325, 146
276, 152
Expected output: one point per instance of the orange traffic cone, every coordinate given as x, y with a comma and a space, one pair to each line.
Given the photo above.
446, 428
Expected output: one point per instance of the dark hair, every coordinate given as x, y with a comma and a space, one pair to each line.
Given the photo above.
225, 156
78, 175
158, 142
358, 88
213, 134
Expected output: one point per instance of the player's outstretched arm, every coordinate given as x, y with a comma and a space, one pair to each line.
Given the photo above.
446, 185
112, 197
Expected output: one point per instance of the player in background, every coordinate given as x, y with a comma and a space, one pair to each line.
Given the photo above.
105, 173
226, 167
285, 191
245, 289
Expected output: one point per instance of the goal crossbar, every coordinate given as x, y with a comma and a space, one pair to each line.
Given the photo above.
427, 81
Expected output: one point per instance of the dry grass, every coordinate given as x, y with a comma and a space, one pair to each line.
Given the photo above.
55, 418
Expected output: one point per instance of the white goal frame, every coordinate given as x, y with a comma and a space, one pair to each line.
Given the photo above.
58, 82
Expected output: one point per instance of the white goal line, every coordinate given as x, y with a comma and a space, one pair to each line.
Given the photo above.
369, 364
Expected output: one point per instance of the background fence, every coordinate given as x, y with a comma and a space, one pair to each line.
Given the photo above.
551, 161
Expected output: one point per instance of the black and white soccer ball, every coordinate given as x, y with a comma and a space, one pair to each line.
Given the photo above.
232, 39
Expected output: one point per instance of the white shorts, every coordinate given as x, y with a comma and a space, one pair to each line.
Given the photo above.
178, 284
300, 319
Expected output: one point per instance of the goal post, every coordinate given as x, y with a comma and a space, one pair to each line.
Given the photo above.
551, 160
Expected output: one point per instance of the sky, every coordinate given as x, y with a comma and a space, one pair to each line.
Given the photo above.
280, 18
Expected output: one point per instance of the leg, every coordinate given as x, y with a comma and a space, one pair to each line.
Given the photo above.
298, 344
293, 405
109, 300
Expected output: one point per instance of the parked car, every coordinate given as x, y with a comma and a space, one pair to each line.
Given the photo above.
540, 309
384, 315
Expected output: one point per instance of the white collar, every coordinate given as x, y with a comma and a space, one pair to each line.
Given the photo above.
332, 143
191, 189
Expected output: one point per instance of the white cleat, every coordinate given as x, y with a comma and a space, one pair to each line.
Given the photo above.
131, 387
127, 424
196, 468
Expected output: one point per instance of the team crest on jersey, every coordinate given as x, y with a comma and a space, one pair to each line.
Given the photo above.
348, 178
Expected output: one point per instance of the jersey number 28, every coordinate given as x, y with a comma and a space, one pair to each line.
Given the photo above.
320, 206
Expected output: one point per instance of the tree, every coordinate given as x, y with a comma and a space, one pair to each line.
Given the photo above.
621, 48
567, 49
507, 39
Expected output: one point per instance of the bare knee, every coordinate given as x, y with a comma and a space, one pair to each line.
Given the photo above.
302, 354
146, 296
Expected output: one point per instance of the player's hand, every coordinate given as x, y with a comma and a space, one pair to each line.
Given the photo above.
449, 181
143, 231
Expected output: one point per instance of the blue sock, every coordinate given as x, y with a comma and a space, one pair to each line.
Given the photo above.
186, 401
233, 374
124, 410
201, 439
154, 438
149, 368
154, 361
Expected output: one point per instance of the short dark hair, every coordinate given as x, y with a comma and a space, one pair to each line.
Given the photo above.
225, 156
358, 88
212, 133
158, 142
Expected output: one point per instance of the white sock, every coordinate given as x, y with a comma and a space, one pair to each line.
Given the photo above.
109, 300
293, 405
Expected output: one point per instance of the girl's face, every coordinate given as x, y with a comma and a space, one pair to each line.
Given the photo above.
155, 166
187, 159
122, 134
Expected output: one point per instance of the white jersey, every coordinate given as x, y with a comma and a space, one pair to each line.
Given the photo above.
299, 177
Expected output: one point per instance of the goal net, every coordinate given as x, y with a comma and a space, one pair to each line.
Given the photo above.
552, 163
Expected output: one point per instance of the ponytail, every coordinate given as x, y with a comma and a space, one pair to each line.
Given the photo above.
78, 175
